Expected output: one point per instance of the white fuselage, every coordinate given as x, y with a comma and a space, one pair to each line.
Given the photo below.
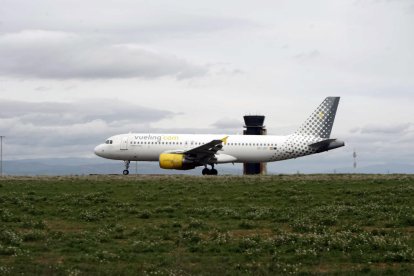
187, 151
236, 148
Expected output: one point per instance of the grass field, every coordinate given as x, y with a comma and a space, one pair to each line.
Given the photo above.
184, 225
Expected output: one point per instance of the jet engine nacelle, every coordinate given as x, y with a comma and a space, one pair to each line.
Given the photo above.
175, 161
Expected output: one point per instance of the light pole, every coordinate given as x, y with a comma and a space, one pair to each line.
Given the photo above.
354, 155
1, 155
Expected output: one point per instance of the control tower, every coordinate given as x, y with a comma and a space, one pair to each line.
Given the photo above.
254, 126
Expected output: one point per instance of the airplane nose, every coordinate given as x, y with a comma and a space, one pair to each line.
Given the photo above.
99, 150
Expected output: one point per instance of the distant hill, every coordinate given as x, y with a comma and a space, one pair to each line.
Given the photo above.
85, 166
386, 168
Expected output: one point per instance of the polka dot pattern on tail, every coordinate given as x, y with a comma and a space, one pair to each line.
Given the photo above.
320, 123
315, 129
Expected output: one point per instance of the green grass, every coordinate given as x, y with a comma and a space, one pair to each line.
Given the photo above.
180, 225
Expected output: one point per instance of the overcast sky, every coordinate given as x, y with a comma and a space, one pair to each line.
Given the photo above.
73, 73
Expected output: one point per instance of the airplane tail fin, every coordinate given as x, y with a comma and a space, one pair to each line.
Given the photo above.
320, 123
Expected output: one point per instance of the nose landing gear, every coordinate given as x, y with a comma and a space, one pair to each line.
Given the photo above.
207, 171
126, 163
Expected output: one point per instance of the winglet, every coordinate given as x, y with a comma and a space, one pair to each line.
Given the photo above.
224, 140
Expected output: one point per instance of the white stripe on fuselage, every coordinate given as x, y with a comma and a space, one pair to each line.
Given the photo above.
148, 147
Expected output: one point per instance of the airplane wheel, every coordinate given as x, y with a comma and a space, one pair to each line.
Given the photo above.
125, 172
205, 171
213, 172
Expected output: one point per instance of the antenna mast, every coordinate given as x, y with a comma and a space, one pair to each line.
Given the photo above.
1, 155
355, 159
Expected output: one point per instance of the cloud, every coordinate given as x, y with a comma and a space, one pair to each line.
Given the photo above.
187, 25
383, 129
362, 52
62, 55
41, 88
78, 112
308, 55
72, 129
45, 129
382, 143
228, 124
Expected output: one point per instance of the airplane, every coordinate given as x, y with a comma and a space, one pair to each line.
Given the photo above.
188, 151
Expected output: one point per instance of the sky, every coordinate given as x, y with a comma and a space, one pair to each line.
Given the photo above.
73, 73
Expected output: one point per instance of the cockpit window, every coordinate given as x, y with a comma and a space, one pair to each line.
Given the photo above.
108, 142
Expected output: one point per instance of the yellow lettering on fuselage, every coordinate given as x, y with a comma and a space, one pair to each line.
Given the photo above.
170, 138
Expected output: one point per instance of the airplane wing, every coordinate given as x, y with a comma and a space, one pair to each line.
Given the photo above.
210, 148
206, 153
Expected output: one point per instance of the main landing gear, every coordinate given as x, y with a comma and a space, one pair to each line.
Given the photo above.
207, 171
126, 163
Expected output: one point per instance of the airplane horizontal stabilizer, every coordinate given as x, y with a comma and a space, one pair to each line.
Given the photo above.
327, 144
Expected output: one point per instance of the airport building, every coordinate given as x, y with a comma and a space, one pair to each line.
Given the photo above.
254, 126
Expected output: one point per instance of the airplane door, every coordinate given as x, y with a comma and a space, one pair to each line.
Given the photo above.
124, 143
